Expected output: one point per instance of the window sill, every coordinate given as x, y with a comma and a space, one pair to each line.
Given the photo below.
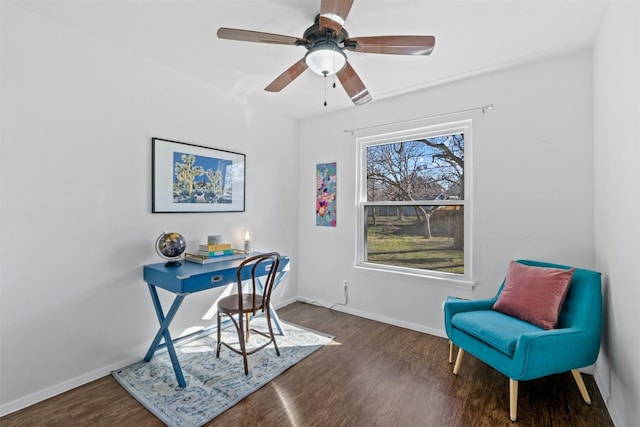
431, 279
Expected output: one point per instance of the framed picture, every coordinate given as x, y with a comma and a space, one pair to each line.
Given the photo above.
194, 178
326, 191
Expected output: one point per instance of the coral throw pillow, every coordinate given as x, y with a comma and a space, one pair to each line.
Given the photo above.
534, 294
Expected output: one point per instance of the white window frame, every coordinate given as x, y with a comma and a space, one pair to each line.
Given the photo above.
463, 126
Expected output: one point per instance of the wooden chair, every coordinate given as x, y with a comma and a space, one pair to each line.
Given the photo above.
246, 303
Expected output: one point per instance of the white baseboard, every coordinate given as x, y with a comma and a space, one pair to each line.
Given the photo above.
604, 390
603, 387
39, 396
377, 317
283, 303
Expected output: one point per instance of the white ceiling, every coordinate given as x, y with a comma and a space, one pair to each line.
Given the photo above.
472, 37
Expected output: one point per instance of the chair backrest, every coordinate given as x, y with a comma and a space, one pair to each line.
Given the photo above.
262, 265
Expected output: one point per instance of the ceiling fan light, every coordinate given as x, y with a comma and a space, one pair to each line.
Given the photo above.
325, 60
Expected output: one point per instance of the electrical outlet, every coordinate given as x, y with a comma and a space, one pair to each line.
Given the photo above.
345, 284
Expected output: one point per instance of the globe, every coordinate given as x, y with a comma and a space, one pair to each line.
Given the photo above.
170, 246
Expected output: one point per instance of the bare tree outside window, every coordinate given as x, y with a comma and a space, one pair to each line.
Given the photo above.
414, 206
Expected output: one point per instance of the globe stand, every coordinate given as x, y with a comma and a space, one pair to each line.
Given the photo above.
172, 264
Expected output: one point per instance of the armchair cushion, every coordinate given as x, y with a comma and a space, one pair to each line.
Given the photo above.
534, 294
498, 330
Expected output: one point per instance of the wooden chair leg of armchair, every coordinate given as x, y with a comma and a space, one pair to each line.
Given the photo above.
513, 399
581, 386
456, 367
450, 351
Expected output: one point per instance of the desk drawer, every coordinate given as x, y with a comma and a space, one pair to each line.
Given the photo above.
215, 279
189, 278
207, 281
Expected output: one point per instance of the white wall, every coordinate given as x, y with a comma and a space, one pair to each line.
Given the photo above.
532, 187
77, 120
617, 203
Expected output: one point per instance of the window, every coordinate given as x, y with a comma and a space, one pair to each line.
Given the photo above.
414, 201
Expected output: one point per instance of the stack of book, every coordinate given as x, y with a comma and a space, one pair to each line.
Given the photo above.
208, 253
215, 250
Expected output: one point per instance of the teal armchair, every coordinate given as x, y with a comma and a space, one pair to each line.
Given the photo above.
523, 351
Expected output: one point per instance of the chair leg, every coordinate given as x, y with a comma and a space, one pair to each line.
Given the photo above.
219, 333
273, 338
456, 367
450, 351
513, 399
247, 328
243, 346
581, 386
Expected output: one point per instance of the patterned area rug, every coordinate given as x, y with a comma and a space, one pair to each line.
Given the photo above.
214, 385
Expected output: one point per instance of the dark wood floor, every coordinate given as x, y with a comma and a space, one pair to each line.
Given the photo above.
375, 375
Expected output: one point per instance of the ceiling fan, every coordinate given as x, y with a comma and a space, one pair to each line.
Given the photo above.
326, 41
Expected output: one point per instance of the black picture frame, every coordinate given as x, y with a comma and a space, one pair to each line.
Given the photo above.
190, 178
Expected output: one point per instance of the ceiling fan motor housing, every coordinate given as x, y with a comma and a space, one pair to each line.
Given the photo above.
314, 35
325, 54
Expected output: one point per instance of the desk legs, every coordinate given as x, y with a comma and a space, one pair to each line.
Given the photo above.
163, 332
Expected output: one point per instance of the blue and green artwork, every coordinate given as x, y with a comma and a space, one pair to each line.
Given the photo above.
201, 179
326, 194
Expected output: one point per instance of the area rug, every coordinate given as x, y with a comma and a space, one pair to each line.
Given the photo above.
214, 385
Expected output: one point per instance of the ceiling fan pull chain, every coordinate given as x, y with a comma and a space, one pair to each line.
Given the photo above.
325, 89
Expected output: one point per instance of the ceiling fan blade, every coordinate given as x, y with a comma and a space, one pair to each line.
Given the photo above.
287, 77
333, 13
394, 45
259, 37
353, 85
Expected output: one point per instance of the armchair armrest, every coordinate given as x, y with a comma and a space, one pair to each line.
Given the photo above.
458, 306
454, 306
542, 353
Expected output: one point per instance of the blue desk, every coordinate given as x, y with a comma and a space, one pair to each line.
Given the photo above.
186, 279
